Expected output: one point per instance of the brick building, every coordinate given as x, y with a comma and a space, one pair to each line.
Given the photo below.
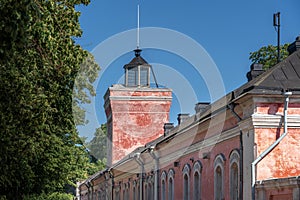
243, 146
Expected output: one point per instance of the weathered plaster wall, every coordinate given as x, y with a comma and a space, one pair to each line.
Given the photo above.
284, 160
137, 117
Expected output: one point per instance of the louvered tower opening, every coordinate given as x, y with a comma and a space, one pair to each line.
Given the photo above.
137, 72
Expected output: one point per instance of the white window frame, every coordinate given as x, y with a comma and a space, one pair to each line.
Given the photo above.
186, 188
234, 159
219, 163
163, 178
197, 169
117, 193
171, 174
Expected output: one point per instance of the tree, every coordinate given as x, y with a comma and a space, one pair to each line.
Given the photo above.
97, 150
267, 55
39, 61
97, 146
83, 88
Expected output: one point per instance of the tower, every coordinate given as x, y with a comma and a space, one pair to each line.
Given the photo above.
136, 112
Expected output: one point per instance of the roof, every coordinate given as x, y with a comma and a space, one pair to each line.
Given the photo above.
137, 60
284, 76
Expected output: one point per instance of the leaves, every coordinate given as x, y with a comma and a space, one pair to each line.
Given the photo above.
39, 62
267, 55
98, 145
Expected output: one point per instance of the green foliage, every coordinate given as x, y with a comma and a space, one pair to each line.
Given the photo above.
52, 196
39, 62
267, 55
96, 166
83, 88
2, 197
97, 148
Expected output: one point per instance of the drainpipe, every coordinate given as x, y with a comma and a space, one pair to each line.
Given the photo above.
156, 182
140, 162
231, 107
268, 150
90, 190
241, 165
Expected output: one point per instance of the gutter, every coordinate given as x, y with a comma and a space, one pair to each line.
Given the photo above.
270, 148
156, 173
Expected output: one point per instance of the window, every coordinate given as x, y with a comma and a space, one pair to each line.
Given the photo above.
149, 188
152, 188
163, 186
138, 76
149, 191
171, 184
138, 191
124, 193
133, 76
186, 182
144, 77
150, 185
135, 191
146, 191
234, 175
196, 182
117, 193
219, 177
127, 192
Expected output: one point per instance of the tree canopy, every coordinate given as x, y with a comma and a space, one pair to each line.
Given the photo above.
97, 150
267, 55
39, 61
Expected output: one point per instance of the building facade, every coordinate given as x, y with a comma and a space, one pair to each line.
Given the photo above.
244, 146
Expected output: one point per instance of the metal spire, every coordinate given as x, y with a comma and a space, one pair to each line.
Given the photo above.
138, 28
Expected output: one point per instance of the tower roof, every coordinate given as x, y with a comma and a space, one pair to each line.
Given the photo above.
137, 60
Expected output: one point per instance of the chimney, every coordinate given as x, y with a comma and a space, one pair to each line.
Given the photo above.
295, 46
201, 106
256, 69
167, 128
182, 117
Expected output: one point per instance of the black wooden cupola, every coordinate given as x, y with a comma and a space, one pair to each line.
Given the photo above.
137, 72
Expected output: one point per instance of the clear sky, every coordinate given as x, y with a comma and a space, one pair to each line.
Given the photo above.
222, 33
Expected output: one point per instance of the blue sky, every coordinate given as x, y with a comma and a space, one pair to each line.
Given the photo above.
226, 31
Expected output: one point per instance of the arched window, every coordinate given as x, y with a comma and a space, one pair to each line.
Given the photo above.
186, 182
146, 191
117, 193
234, 173
150, 188
171, 184
127, 191
124, 191
149, 191
163, 185
138, 191
219, 177
134, 190
197, 180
